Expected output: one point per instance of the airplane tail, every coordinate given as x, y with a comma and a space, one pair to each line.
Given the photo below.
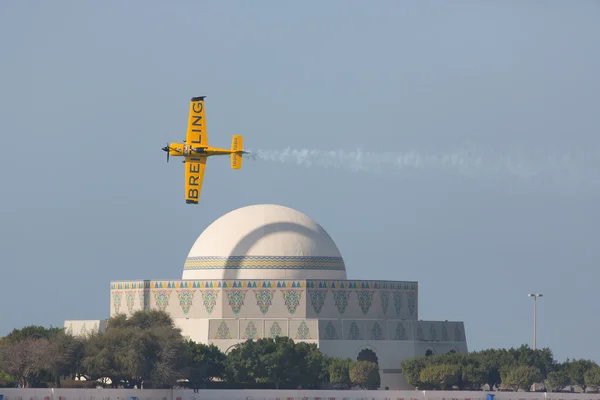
237, 146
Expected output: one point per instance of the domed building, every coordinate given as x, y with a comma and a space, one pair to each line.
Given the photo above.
269, 270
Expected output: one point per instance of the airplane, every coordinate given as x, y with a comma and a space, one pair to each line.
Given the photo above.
195, 150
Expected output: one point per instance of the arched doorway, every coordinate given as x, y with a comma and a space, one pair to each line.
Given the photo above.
367, 355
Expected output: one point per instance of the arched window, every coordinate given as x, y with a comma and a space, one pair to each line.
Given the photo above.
367, 355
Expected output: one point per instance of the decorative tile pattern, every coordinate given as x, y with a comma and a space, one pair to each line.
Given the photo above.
330, 333
411, 302
398, 303
420, 336
354, 333
365, 300
275, 330
361, 285
400, 333
291, 299
377, 332
186, 297
250, 332
209, 299
232, 284
162, 298
340, 299
116, 295
223, 331
130, 299
458, 333
317, 299
385, 300
236, 299
265, 262
444, 333
264, 299
303, 331
432, 333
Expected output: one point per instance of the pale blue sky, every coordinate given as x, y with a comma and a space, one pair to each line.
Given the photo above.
91, 91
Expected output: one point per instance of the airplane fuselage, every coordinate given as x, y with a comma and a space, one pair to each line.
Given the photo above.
186, 150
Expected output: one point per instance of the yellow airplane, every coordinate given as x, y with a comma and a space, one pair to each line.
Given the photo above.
196, 150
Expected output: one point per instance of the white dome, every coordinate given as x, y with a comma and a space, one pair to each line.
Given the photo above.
264, 241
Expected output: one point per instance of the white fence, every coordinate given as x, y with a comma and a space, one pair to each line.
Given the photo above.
176, 394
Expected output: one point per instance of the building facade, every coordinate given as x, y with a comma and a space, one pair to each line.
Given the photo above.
265, 271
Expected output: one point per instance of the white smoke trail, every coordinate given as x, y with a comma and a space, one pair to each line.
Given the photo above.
469, 161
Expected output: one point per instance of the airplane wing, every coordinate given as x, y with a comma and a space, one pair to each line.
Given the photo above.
194, 174
196, 131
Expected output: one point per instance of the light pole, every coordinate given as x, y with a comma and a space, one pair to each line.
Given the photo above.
535, 296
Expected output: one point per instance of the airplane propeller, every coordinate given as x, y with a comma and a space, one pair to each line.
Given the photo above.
166, 148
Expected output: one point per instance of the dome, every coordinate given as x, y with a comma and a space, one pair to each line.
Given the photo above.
264, 241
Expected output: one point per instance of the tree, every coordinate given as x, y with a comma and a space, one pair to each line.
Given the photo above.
314, 365
206, 363
557, 380
339, 372
576, 370
411, 369
365, 374
145, 348
279, 362
24, 359
473, 376
265, 360
440, 376
63, 355
7, 380
518, 377
32, 332
592, 377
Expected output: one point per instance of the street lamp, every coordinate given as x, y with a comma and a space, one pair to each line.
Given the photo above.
535, 296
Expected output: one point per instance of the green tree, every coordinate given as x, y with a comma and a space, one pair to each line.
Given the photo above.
7, 380
411, 369
146, 348
473, 376
576, 370
206, 363
279, 362
365, 374
592, 377
518, 377
440, 376
556, 380
64, 354
314, 365
339, 373
32, 332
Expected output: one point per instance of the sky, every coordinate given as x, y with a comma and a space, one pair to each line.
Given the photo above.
506, 93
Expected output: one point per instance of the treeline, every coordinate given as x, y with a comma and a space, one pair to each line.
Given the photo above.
147, 350
505, 369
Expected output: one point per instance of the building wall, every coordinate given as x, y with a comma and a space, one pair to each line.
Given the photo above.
84, 327
193, 328
261, 299
341, 317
